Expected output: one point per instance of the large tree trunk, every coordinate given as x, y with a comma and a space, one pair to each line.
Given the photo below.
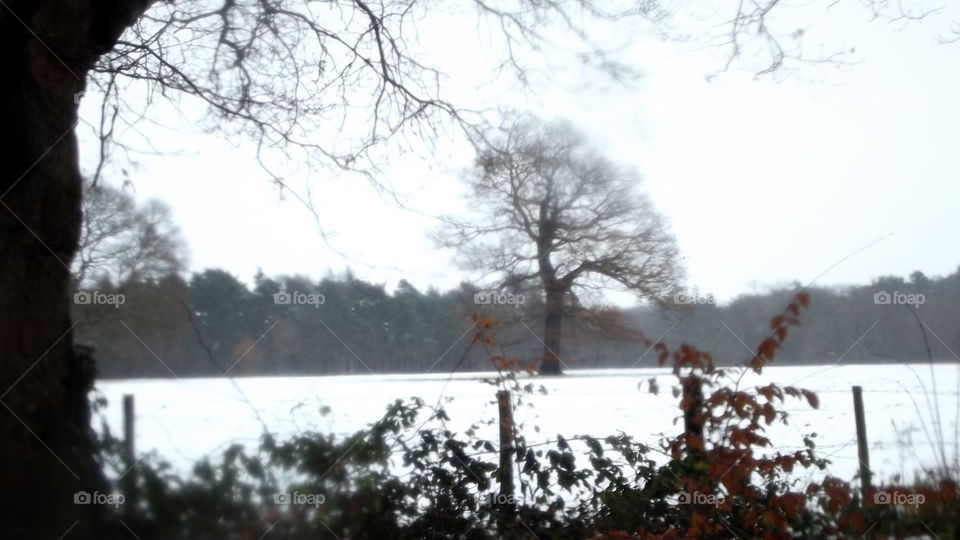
553, 325
46, 49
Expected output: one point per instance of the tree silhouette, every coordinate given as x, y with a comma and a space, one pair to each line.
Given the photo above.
122, 241
555, 211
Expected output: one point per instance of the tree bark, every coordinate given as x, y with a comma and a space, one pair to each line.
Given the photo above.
47, 453
553, 325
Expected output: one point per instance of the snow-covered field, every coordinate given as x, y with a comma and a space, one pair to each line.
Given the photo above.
185, 419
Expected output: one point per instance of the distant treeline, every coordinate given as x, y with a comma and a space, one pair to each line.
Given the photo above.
214, 324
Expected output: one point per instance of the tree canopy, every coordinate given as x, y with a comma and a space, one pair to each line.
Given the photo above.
213, 324
553, 210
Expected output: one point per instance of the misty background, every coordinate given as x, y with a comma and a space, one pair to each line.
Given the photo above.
764, 181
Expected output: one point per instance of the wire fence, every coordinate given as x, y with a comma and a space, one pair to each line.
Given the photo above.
188, 419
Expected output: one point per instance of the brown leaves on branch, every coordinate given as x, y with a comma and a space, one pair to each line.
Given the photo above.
767, 350
723, 449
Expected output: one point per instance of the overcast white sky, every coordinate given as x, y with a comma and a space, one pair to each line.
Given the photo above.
764, 182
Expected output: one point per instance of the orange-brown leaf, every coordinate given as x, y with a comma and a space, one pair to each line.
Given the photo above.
781, 333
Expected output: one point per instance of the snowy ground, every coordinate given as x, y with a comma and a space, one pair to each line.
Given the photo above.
185, 419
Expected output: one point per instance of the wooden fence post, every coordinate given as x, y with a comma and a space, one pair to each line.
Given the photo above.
863, 450
505, 502
129, 480
128, 429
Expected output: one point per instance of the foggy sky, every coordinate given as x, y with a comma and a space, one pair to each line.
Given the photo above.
764, 181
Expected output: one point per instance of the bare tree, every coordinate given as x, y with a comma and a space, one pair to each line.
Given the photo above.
555, 211
121, 241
